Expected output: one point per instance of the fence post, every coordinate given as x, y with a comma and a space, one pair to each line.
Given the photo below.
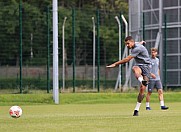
98, 53
63, 54
143, 27
73, 45
20, 43
165, 43
94, 51
122, 46
48, 49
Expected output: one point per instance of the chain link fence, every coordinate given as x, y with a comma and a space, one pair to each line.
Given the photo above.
92, 53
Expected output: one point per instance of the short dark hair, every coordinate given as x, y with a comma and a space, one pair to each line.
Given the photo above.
128, 38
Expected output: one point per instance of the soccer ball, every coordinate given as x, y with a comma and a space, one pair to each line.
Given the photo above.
15, 111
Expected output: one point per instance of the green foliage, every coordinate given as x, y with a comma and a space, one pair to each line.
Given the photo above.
9, 16
34, 24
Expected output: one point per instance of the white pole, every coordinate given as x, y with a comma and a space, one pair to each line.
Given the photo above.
63, 54
55, 53
126, 25
161, 37
93, 22
119, 76
126, 34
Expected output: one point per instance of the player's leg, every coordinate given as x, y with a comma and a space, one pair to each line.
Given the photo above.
138, 74
148, 101
142, 73
139, 99
162, 105
160, 95
149, 89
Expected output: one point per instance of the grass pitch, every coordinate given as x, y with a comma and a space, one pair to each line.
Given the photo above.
92, 116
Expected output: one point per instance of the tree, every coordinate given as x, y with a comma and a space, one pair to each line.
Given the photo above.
35, 29
108, 27
9, 32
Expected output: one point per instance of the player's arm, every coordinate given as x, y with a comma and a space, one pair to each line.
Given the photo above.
153, 75
142, 42
158, 67
125, 60
159, 71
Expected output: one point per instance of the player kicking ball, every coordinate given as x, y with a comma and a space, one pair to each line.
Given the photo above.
155, 82
141, 69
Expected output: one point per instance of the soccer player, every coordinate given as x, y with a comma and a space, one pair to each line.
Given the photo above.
141, 69
155, 82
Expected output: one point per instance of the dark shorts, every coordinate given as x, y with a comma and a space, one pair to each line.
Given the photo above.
154, 84
145, 70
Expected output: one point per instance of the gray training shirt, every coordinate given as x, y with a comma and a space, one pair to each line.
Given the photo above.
141, 55
155, 68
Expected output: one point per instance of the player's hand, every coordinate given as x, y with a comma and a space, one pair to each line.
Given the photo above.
111, 66
153, 76
143, 42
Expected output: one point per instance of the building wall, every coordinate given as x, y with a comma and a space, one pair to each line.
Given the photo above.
153, 21
82, 72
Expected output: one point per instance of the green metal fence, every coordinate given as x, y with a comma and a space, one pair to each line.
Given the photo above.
26, 47
23, 44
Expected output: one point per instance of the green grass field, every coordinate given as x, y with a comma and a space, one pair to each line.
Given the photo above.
89, 112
